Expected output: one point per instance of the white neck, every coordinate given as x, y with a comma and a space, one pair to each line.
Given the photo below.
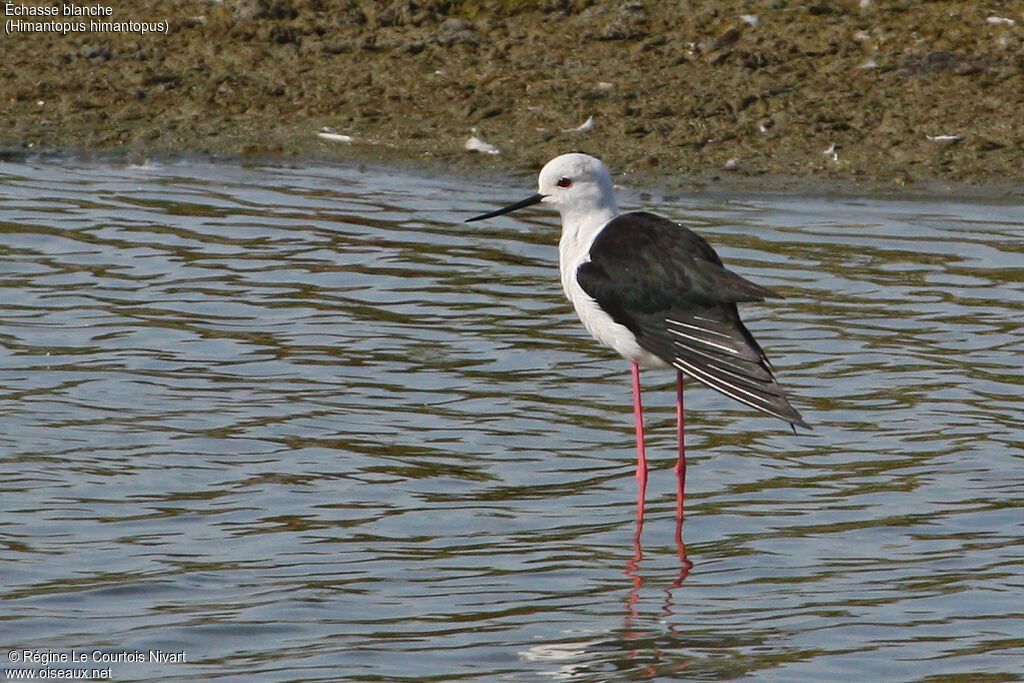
579, 228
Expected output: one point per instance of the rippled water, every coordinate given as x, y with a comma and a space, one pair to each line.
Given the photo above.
302, 423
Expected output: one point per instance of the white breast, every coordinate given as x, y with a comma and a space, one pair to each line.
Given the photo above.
574, 251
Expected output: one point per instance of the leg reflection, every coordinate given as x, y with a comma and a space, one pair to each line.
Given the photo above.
684, 563
633, 566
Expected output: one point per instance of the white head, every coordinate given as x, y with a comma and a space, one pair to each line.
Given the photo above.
578, 185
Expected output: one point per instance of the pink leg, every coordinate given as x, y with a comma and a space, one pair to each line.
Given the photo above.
680, 432
680, 468
641, 458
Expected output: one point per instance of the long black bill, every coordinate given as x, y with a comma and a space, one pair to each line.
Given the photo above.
532, 199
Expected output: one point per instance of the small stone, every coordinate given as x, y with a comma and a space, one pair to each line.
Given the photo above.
456, 24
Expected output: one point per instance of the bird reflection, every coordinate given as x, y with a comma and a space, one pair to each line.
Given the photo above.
638, 639
641, 648
633, 564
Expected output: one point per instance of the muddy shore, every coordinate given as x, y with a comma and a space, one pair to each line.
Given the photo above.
886, 92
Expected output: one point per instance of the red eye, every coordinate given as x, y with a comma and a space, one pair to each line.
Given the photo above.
563, 182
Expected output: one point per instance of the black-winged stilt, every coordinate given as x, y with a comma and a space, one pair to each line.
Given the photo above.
657, 293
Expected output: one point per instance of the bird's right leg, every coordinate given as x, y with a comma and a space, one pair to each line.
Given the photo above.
680, 434
641, 457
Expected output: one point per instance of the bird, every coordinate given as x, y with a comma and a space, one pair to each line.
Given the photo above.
656, 293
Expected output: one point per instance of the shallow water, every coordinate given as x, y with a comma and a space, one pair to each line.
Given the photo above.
303, 423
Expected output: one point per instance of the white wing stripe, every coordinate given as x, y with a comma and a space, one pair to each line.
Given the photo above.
767, 408
699, 328
724, 365
721, 384
705, 342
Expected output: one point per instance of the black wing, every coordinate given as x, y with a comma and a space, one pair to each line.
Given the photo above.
667, 285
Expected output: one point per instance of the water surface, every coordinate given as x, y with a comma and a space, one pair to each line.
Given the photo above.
303, 423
